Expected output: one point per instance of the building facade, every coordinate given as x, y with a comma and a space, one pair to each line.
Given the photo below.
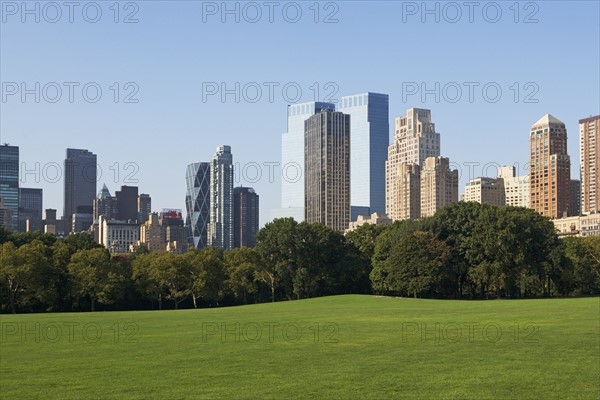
198, 203
118, 236
375, 219
406, 192
127, 199
9, 185
220, 227
439, 185
415, 139
105, 204
245, 216
369, 139
144, 207
292, 159
589, 154
516, 188
30, 209
575, 198
79, 182
549, 168
485, 191
579, 225
327, 177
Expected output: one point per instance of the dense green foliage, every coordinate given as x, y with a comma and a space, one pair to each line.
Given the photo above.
346, 347
466, 250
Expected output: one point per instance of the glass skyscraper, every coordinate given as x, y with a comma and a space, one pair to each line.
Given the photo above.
369, 138
30, 209
220, 227
9, 183
80, 183
292, 159
198, 203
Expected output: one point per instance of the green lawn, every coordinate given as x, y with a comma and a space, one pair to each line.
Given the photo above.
360, 347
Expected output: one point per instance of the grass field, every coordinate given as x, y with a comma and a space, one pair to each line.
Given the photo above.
363, 347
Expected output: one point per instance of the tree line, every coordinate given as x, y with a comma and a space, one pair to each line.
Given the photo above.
466, 250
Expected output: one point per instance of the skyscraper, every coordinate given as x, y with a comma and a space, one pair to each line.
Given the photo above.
549, 168
9, 185
407, 191
589, 139
516, 188
245, 217
80, 182
198, 202
575, 198
105, 205
485, 190
144, 207
439, 185
415, 139
220, 227
292, 159
127, 199
369, 139
327, 179
30, 209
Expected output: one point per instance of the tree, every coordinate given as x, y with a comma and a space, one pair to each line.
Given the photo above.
207, 274
95, 276
275, 243
242, 267
24, 274
364, 237
417, 264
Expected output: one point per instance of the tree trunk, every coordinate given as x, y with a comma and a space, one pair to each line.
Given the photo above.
194, 300
160, 301
272, 293
12, 303
93, 304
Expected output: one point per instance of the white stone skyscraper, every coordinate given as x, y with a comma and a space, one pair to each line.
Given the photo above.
415, 139
220, 227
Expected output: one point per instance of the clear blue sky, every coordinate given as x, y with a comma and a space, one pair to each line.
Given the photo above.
374, 46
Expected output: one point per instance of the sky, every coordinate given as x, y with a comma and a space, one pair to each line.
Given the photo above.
151, 86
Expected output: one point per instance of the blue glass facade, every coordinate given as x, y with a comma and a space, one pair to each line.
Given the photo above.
9, 182
369, 139
198, 203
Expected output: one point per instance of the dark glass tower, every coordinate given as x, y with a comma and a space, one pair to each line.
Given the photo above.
80, 182
9, 183
30, 209
245, 217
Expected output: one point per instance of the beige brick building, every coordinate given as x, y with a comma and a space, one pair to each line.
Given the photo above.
589, 153
439, 185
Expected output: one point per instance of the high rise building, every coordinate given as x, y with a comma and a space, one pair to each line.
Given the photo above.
245, 217
144, 207
5, 216
406, 189
9, 185
575, 198
369, 139
220, 227
327, 180
173, 230
415, 139
516, 188
127, 198
549, 168
486, 191
118, 236
30, 209
105, 205
589, 139
79, 182
439, 185
292, 159
198, 203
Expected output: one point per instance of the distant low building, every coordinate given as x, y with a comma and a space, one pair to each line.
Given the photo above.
579, 225
375, 219
118, 236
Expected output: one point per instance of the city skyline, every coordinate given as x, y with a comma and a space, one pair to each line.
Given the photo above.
172, 112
